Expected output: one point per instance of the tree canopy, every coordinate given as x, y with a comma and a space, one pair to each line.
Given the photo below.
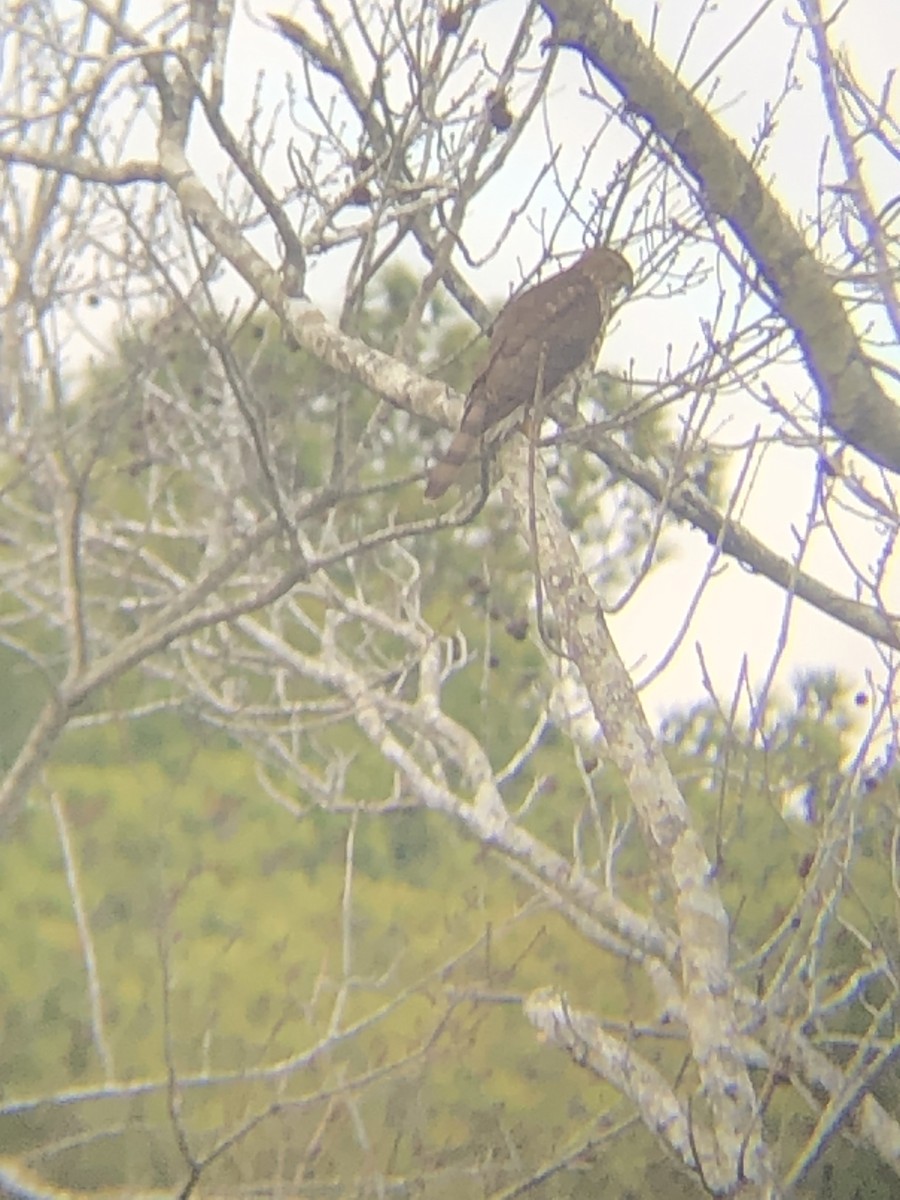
517, 844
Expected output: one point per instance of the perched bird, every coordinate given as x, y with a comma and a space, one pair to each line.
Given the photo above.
539, 340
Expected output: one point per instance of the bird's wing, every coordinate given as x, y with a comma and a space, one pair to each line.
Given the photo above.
552, 329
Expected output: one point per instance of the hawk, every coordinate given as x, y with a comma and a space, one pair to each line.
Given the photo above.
538, 341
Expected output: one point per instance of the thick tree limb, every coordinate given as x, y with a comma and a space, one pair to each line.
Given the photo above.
708, 987
616, 1060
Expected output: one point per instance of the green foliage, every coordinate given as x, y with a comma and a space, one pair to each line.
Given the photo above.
20, 702
190, 875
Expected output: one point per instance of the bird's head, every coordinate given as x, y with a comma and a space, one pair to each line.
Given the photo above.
607, 269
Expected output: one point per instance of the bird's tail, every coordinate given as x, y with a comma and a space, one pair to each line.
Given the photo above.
463, 447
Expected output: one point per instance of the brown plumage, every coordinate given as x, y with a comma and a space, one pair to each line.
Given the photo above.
539, 339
